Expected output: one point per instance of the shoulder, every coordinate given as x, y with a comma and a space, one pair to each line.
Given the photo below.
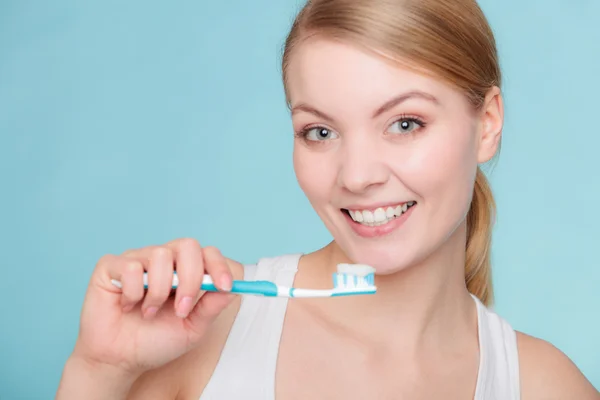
547, 373
189, 374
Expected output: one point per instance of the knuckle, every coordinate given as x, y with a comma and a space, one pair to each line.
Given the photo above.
132, 266
137, 251
128, 253
106, 260
188, 244
212, 251
162, 253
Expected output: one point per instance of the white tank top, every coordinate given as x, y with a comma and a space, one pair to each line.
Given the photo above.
246, 368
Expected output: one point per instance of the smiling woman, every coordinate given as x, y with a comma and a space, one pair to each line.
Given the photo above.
395, 105
385, 149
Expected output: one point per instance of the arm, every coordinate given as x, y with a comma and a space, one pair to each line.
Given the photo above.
547, 373
81, 380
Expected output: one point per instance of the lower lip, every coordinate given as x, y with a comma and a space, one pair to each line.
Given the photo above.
380, 230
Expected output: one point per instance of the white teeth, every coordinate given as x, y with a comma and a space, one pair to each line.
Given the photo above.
380, 216
359, 217
389, 213
398, 211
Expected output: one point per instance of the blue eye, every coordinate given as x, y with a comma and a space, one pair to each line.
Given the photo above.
319, 134
406, 125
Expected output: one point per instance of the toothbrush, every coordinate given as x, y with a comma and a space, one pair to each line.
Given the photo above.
350, 279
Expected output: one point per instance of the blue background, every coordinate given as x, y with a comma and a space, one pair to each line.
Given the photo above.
124, 124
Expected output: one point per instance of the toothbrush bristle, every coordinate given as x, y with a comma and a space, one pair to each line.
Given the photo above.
356, 276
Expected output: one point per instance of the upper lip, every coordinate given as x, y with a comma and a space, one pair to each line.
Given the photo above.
374, 206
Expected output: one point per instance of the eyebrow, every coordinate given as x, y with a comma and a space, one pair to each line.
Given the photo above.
311, 110
415, 94
388, 105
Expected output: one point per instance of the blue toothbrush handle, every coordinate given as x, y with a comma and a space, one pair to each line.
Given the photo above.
264, 288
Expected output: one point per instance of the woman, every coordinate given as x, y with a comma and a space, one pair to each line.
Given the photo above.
394, 105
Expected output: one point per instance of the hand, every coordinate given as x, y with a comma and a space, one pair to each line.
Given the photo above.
133, 330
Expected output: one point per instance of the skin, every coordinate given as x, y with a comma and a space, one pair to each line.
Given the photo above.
420, 328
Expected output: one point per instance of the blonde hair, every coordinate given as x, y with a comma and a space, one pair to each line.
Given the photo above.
450, 39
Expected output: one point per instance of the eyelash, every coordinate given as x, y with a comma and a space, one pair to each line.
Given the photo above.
410, 118
304, 131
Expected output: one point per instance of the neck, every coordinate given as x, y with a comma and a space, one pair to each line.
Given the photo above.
422, 305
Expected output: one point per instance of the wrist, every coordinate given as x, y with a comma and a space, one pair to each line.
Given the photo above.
87, 379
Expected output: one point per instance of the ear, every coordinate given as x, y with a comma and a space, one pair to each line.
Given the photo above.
491, 123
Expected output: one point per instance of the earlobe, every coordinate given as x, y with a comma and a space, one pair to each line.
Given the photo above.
492, 120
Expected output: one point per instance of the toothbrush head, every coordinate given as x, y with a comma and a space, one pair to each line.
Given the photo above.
354, 279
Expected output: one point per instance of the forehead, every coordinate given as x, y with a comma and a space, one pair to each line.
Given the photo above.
330, 74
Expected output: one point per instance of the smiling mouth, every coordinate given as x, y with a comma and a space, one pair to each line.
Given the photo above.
379, 216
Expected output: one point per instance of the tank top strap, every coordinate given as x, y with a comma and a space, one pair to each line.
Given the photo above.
247, 365
280, 270
498, 376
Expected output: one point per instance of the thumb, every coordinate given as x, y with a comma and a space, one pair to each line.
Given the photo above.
210, 305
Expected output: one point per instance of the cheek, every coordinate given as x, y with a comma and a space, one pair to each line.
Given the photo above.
443, 168
315, 175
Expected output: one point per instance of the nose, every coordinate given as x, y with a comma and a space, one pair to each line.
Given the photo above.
362, 167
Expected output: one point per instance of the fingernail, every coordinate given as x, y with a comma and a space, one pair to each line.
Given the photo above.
225, 283
150, 312
184, 307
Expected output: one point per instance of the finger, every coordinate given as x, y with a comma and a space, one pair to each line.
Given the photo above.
210, 305
144, 255
216, 266
110, 267
160, 280
190, 271
132, 283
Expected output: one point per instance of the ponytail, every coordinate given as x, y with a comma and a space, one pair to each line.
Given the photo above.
480, 222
